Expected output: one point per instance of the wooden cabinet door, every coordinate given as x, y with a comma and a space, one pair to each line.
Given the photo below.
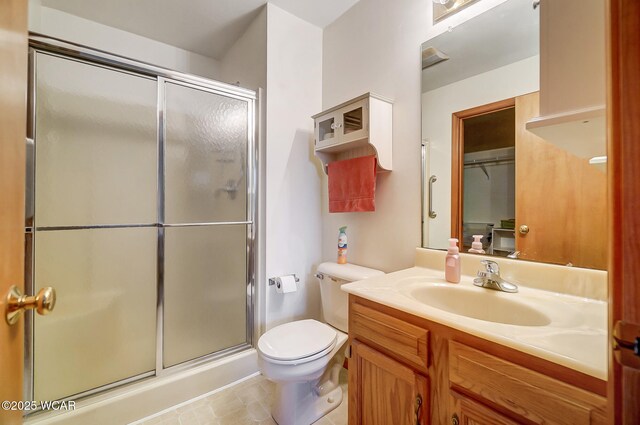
551, 185
470, 412
383, 391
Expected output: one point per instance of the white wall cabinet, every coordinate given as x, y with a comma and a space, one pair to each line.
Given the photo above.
358, 127
572, 76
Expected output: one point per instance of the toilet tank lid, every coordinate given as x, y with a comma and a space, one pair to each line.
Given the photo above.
348, 272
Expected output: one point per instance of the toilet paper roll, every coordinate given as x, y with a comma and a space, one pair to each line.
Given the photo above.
286, 284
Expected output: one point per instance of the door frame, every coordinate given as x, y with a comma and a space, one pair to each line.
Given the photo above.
457, 158
623, 116
13, 126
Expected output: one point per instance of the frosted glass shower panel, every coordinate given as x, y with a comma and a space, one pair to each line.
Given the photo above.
206, 140
205, 284
103, 328
96, 145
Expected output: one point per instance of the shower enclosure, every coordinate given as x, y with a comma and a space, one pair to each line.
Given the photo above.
140, 213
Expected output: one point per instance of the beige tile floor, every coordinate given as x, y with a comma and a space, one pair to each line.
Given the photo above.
246, 403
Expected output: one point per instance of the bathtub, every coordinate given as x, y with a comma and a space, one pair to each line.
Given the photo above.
137, 400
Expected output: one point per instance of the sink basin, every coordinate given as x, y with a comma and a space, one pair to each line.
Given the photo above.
482, 304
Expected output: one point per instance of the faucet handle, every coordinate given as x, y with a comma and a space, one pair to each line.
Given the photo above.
491, 266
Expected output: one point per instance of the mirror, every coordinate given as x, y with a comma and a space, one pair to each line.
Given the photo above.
498, 161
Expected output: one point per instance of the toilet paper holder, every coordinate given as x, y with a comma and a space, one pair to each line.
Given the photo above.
272, 280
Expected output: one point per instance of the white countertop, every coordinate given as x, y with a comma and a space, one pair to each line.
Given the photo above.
576, 336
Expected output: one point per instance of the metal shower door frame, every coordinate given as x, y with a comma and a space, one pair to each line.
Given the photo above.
86, 55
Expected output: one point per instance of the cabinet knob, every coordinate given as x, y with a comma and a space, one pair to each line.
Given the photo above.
455, 420
524, 229
418, 408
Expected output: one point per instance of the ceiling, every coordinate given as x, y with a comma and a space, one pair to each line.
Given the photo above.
207, 27
502, 35
319, 12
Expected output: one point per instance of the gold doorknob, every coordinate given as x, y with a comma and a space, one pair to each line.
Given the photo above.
524, 229
16, 303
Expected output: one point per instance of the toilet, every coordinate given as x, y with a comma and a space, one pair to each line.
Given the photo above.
304, 357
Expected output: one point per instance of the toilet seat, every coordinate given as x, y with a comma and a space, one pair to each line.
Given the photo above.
297, 342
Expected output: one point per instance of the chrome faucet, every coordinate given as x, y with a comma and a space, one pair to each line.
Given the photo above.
514, 254
490, 278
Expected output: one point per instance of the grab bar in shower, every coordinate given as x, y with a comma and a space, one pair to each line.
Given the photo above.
432, 180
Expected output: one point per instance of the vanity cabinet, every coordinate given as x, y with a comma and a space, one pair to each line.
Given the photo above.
398, 358
519, 391
359, 127
386, 391
387, 369
468, 412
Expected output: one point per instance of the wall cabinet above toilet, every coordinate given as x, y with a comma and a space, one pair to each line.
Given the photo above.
358, 127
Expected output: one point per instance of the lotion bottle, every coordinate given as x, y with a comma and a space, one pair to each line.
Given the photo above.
476, 245
342, 245
452, 262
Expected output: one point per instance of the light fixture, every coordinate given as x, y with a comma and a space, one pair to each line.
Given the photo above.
445, 8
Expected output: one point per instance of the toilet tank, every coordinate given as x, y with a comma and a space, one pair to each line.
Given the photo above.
335, 302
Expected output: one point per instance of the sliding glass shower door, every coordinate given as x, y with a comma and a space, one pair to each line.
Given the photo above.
206, 222
141, 218
95, 184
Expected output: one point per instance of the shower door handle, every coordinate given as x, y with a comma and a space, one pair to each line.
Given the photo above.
16, 303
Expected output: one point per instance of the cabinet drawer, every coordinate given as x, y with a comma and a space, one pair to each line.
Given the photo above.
399, 339
526, 393
471, 413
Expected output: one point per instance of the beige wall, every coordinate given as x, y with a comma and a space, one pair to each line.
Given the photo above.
293, 212
246, 60
375, 46
54, 23
288, 69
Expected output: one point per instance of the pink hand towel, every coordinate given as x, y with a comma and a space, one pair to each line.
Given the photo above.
352, 185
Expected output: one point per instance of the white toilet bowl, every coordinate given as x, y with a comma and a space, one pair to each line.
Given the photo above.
297, 356
304, 358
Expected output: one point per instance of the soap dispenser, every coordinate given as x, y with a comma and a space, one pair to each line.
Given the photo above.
452, 262
476, 245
